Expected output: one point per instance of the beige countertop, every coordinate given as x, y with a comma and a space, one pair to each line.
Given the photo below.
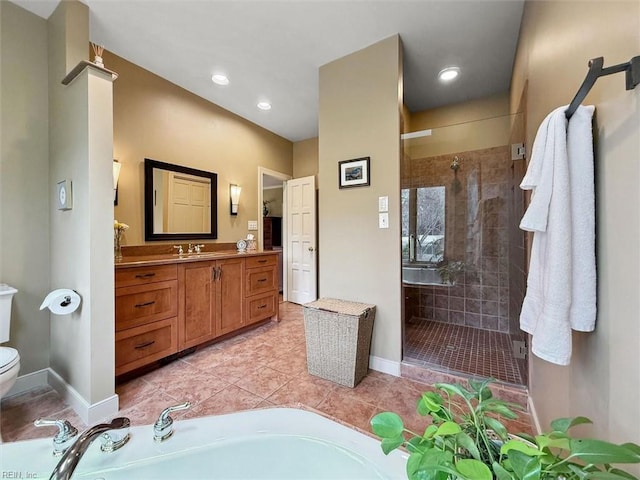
167, 258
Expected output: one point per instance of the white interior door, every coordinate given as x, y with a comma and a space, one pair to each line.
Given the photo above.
189, 207
301, 264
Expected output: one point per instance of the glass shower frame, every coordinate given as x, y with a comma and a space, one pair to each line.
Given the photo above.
479, 279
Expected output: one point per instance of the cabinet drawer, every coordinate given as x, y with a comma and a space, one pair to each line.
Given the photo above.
142, 304
261, 261
142, 275
261, 280
261, 308
140, 346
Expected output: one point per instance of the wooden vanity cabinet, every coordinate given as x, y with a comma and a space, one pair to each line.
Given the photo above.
209, 300
165, 309
146, 308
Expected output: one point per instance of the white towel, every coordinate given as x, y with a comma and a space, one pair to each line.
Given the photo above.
561, 287
583, 213
545, 310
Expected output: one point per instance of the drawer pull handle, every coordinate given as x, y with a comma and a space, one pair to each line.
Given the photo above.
144, 345
263, 306
145, 275
260, 280
262, 261
140, 305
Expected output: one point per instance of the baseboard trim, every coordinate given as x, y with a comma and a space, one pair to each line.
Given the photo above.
89, 413
104, 410
29, 381
385, 366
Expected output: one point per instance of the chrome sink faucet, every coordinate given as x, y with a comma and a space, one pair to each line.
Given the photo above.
72, 456
194, 248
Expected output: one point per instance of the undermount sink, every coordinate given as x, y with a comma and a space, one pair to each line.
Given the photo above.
200, 255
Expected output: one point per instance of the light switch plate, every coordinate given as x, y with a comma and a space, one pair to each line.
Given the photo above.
383, 204
64, 195
252, 225
383, 220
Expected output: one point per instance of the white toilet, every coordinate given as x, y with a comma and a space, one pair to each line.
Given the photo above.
9, 357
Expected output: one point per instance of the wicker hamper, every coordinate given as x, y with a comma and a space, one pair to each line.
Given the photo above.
338, 335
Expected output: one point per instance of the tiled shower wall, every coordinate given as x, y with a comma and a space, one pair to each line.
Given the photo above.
479, 205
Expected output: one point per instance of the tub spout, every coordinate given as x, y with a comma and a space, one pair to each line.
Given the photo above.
70, 459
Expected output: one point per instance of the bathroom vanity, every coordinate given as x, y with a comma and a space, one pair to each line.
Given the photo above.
165, 304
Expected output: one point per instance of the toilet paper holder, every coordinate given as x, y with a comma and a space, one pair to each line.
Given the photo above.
62, 301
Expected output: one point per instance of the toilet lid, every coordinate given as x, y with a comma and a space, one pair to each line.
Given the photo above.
8, 358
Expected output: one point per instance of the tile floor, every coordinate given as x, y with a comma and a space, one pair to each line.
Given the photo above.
262, 368
456, 348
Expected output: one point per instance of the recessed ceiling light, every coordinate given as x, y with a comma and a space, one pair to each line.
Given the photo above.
220, 79
264, 105
448, 74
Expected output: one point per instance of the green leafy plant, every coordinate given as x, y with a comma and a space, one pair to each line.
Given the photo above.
557, 455
467, 439
450, 271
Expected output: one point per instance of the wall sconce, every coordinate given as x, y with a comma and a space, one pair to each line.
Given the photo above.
116, 175
234, 191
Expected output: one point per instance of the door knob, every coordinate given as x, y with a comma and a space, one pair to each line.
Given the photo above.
311, 249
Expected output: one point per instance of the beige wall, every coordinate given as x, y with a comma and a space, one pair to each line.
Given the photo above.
156, 119
473, 125
305, 158
81, 149
480, 109
357, 260
24, 180
557, 40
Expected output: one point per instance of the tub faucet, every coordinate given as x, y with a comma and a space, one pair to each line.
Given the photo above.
163, 428
72, 456
66, 435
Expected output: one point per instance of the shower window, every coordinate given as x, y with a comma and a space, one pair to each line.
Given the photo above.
423, 222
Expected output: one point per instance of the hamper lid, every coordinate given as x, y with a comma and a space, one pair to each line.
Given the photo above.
340, 306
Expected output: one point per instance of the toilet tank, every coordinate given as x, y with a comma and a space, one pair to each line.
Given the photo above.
6, 296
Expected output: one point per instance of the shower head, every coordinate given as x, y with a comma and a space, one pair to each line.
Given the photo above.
455, 165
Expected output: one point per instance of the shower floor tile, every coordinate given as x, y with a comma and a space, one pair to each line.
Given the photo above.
456, 348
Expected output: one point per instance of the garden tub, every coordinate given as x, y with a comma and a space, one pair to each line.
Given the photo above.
276, 443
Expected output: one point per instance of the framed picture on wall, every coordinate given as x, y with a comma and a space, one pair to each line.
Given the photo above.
354, 173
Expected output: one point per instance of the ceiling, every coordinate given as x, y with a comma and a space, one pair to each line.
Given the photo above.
272, 50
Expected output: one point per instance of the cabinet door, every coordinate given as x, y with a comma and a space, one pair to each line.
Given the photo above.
198, 304
230, 290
